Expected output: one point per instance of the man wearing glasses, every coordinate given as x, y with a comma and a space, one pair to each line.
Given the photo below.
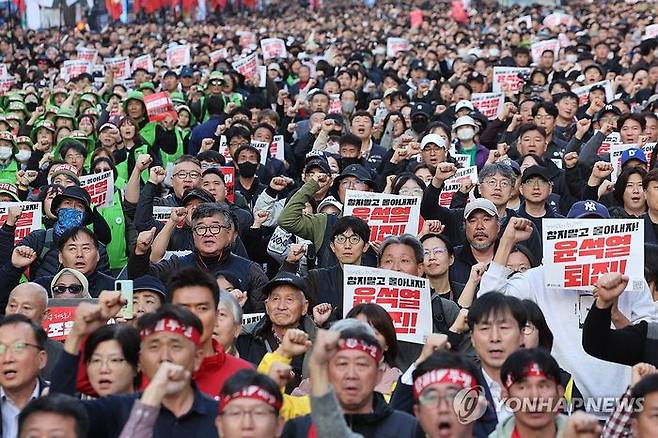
213, 232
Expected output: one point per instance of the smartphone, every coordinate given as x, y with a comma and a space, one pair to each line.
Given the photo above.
126, 289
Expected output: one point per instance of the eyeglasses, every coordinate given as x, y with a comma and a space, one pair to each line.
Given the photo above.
215, 83
415, 192
432, 398
354, 183
258, 414
73, 156
202, 230
536, 182
434, 252
493, 183
17, 347
191, 174
528, 328
111, 362
354, 239
72, 288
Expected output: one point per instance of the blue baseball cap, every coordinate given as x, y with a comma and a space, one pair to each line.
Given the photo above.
186, 72
151, 284
593, 209
633, 154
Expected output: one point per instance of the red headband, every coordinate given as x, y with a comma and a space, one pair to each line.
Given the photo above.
453, 376
373, 351
253, 392
173, 326
533, 370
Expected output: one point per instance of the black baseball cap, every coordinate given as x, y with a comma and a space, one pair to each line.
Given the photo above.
320, 164
197, 193
152, 284
78, 193
285, 279
357, 171
605, 110
533, 171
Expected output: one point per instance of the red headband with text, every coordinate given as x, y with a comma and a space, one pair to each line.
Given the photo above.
172, 325
452, 376
253, 392
533, 370
373, 351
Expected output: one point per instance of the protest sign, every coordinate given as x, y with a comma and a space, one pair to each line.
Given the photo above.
30, 219
334, 104
616, 150
463, 160
178, 56
453, 184
246, 38
273, 48
395, 46
224, 149
61, 315
251, 318
558, 18
229, 182
578, 251
100, 187
120, 65
159, 105
89, 55
611, 139
73, 67
509, 79
524, 19
541, 46
4, 72
489, 104
651, 31
277, 148
145, 62
583, 92
246, 65
387, 215
405, 298
161, 213
218, 55
263, 148
6, 84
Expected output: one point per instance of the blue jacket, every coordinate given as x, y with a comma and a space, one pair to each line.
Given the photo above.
205, 130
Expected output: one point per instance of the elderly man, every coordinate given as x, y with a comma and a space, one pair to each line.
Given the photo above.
31, 300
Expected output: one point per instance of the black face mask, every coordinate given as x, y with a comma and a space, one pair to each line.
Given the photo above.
344, 162
419, 124
247, 169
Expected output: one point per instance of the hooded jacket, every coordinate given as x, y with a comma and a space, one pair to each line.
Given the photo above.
505, 429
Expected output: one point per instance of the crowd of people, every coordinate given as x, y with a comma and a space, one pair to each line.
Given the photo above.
239, 325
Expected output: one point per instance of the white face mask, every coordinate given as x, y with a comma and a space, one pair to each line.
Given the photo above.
5, 152
572, 59
23, 155
466, 133
494, 52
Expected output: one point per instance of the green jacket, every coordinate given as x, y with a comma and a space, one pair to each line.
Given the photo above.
8, 172
148, 134
116, 220
294, 220
506, 428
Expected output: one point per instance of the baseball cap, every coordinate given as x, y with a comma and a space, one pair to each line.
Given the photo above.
285, 279
480, 204
186, 72
150, 283
464, 121
421, 108
475, 76
196, 193
357, 171
583, 209
417, 65
390, 91
170, 73
105, 126
633, 154
65, 169
74, 192
323, 165
533, 171
243, 147
464, 104
433, 138
605, 110
330, 200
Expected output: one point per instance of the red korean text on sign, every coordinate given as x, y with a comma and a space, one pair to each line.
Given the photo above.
402, 304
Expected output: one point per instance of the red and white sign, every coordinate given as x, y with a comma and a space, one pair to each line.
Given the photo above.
120, 65
73, 67
145, 62
277, 148
509, 79
406, 299
613, 138
6, 84
59, 322
89, 55
218, 55
615, 156
395, 46
247, 66
579, 251
386, 214
489, 104
246, 38
4, 72
583, 92
540, 47
334, 104
158, 106
178, 56
30, 219
273, 48
100, 187
229, 182
557, 19
263, 148
224, 149
452, 185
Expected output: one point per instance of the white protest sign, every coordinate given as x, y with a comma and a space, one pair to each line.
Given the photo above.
558, 18
250, 318
161, 213
120, 65
616, 151
541, 46
218, 55
73, 67
246, 66
277, 148
29, 220
509, 79
145, 62
263, 148
178, 56
579, 251
100, 187
6, 84
273, 48
89, 55
405, 298
224, 149
583, 92
611, 139
489, 104
453, 184
651, 31
395, 46
463, 160
386, 214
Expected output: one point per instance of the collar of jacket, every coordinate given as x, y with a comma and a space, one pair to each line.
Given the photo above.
264, 326
380, 410
215, 361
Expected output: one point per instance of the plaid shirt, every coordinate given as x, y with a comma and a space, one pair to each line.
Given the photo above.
619, 423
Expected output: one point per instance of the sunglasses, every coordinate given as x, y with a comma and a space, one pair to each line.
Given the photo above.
72, 288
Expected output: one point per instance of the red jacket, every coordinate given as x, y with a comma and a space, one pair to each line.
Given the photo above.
216, 369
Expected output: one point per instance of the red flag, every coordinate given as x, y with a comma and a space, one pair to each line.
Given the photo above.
189, 6
20, 5
114, 8
458, 12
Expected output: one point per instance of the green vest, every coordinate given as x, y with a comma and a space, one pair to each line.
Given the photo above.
122, 167
8, 172
148, 134
116, 249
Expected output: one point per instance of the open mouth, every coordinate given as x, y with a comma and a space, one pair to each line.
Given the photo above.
445, 429
9, 374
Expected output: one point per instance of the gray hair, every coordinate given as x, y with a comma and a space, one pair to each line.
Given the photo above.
43, 293
226, 299
352, 325
210, 209
405, 239
505, 170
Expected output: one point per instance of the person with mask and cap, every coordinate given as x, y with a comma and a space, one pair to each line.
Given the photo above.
420, 117
8, 165
246, 161
465, 129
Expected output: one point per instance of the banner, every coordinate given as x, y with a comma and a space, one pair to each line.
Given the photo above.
615, 156
251, 318
406, 299
247, 65
463, 160
159, 105
145, 62
334, 104
578, 251
161, 213
395, 46
540, 47
89, 55
583, 92
558, 18
489, 104
229, 182
452, 185
178, 56
509, 79
100, 187
273, 48
218, 55
73, 67
611, 139
277, 148
59, 322
120, 65
263, 148
30, 219
387, 215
